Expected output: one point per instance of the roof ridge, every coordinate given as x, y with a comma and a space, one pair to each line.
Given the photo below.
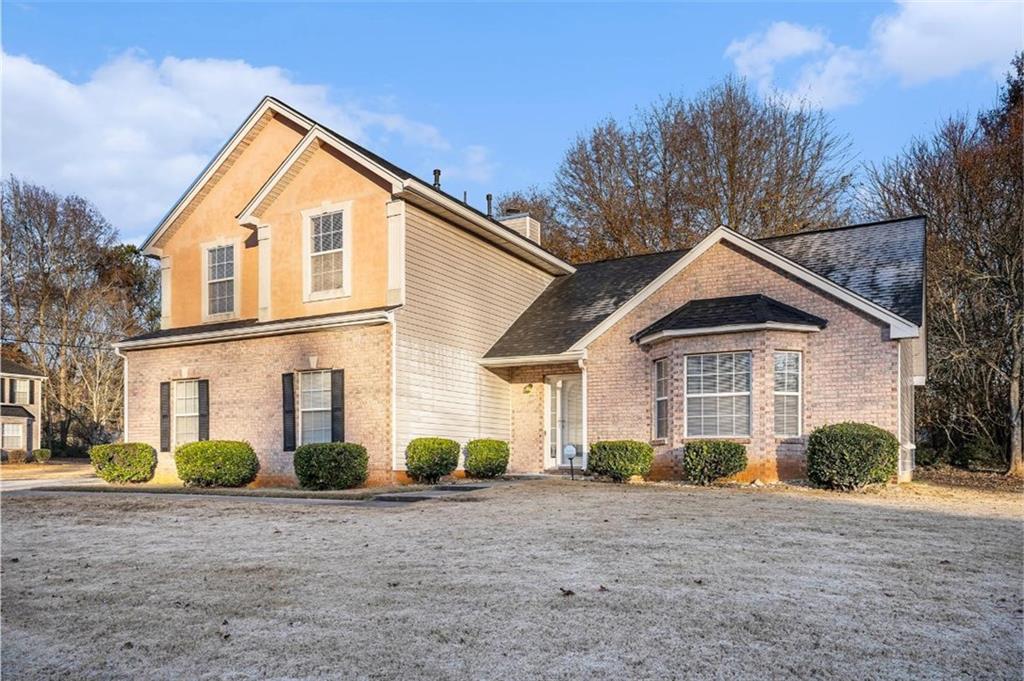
842, 228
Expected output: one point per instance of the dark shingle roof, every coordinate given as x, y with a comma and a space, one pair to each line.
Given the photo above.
10, 367
711, 312
15, 411
881, 261
574, 304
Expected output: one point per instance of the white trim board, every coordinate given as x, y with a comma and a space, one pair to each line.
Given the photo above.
726, 328
260, 330
898, 326
527, 360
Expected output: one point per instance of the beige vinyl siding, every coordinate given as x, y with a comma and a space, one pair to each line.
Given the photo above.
907, 436
461, 295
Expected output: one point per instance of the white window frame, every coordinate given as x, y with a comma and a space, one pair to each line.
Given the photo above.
301, 410
20, 396
21, 435
666, 398
205, 249
749, 393
175, 413
345, 208
798, 393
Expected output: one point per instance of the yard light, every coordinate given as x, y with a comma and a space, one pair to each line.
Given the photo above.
570, 453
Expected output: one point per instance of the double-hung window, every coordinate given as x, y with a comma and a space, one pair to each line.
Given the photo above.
718, 395
314, 406
220, 280
186, 412
20, 391
326, 252
788, 383
661, 402
13, 436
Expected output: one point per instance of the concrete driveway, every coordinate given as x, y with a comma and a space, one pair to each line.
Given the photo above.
55, 473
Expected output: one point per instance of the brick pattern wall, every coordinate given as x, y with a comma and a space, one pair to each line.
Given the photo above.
245, 392
850, 368
526, 385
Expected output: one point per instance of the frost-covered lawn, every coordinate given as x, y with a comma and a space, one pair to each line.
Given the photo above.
540, 579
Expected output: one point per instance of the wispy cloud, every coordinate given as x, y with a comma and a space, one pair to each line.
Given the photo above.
133, 134
918, 42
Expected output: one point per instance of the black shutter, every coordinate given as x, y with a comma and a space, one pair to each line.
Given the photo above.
31, 392
338, 405
11, 385
288, 410
204, 410
30, 426
165, 417
3, 389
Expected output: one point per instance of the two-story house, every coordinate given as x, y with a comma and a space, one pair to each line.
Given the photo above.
21, 399
313, 291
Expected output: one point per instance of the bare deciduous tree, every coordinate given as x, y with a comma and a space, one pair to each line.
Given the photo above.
68, 292
968, 178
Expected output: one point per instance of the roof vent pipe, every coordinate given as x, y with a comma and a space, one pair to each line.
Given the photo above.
437, 179
489, 212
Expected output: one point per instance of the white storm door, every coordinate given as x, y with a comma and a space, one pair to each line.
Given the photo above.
564, 420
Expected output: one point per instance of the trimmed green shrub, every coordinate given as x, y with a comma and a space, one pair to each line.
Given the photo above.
620, 459
17, 456
40, 455
428, 459
124, 461
331, 465
216, 463
708, 460
851, 455
486, 458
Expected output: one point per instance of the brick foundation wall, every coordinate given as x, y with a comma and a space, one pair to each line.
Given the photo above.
850, 368
245, 392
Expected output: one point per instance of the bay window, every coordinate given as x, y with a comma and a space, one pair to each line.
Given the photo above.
788, 380
718, 394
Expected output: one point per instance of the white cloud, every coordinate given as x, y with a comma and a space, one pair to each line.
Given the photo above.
134, 134
921, 41
475, 165
927, 40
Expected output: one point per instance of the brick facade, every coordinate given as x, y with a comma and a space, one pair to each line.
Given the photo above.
526, 384
245, 392
850, 368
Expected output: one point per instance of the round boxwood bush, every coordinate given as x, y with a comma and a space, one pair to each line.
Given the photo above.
216, 463
620, 459
486, 458
331, 465
428, 459
17, 456
124, 461
851, 455
708, 460
40, 455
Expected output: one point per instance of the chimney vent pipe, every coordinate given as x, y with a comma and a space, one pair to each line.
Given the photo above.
489, 212
437, 179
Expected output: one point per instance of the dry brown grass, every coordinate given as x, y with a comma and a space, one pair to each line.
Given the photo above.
917, 582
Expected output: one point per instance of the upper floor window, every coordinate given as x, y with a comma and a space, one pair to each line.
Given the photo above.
661, 386
788, 379
718, 395
20, 390
327, 252
220, 280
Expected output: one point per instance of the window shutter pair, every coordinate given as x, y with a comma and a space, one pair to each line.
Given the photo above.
165, 413
288, 408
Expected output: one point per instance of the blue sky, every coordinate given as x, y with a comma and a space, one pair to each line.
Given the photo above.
124, 104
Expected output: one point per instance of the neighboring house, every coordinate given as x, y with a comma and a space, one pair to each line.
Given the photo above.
21, 399
313, 291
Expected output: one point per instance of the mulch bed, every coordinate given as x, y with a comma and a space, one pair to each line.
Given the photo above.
950, 476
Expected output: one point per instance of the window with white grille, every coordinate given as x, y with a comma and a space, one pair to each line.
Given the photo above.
718, 395
186, 412
220, 280
20, 391
661, 393
326, 252
315, 406
13, 436
788, 384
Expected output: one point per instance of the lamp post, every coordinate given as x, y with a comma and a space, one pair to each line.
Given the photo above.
570, 453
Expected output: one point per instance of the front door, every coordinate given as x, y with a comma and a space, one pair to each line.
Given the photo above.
564, 420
